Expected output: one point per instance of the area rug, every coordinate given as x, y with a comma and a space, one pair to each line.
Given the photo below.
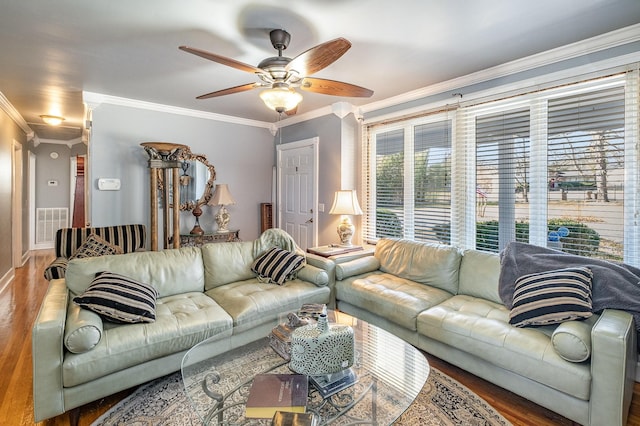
442, 402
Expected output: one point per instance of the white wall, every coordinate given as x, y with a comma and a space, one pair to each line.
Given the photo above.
242, 156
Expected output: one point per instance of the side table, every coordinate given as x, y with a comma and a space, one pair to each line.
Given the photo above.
340, 255
190, 240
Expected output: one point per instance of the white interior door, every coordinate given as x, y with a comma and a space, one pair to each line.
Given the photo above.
298, 191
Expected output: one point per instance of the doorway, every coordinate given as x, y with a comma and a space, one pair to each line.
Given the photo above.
77, 191
297, 170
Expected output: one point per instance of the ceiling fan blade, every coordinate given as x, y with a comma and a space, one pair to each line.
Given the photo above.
229, 91
335, 88
318, 57
223, 60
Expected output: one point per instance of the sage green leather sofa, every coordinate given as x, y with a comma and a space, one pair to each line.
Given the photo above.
446, 302
203, 292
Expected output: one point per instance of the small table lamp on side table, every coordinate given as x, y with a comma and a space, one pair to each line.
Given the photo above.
222, 197
345, 203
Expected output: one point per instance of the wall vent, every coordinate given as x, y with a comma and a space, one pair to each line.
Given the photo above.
48, 221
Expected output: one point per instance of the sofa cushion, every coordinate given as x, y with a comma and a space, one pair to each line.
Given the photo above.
399, 300
277, 265
82, 329
425, 263
251, 302
482, 328
95, 246
172, 271
479, 272
181, 322
572, 340
119, 299
552, 297
227, 263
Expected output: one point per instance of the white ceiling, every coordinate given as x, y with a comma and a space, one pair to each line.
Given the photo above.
51, 51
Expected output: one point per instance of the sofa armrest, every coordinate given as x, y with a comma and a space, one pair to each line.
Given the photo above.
329, 267
358, 266
56, 269
314, 275
46, 338
613, 366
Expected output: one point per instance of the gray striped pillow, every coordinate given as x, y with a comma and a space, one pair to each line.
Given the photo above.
119, 299
552, 297
277, 265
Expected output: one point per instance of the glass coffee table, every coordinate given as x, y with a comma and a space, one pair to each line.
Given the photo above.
390, 374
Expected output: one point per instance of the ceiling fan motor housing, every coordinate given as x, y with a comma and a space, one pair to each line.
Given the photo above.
279, 39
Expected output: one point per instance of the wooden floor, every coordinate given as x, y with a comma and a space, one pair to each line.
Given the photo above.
19, 304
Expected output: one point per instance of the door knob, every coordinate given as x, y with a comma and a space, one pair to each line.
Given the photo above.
309, 221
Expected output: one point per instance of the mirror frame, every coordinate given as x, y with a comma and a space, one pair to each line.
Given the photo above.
187, 155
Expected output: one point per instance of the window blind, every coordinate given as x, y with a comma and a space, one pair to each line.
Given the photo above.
586, 172
554, 167
502, 179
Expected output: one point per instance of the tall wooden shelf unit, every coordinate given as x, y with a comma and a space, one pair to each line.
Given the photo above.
164, 158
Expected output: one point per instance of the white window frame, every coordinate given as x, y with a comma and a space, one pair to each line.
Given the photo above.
463, 146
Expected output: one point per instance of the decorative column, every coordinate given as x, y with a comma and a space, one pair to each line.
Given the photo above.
164, 156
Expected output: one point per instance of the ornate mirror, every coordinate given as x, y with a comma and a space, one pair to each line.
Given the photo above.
196, 180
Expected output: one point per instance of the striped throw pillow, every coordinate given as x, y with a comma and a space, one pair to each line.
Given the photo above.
277, 265
119, 299
95, 246
552, 297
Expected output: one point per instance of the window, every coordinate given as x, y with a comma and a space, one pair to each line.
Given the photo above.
502, 178
586, 192
410, 181
554, 167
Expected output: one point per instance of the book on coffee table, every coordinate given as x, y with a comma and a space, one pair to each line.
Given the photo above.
329, 384
277, 392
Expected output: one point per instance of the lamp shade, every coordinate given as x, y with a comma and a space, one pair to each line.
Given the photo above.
222, 196
52, 120
346, 202
280, 99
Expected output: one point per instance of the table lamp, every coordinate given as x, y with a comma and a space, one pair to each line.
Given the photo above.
222, 197
345, 203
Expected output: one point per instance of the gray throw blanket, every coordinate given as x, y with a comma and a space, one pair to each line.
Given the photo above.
615, 285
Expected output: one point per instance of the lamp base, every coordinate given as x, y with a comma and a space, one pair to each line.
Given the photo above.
197, 230
222, 219
345, 232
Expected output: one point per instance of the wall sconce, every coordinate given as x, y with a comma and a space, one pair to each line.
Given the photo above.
345, 203
52, 120
222, 197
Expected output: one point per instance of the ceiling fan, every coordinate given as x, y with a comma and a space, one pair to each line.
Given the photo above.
280, 76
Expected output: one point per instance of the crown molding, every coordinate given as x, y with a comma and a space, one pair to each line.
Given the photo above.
299, 118
580, 48
94, 100
13, 113
69, 143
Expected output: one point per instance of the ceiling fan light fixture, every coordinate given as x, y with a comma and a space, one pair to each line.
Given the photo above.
281, 99
52, 120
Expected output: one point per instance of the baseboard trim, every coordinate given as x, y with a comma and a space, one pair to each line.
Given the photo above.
43, 246
6, 279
